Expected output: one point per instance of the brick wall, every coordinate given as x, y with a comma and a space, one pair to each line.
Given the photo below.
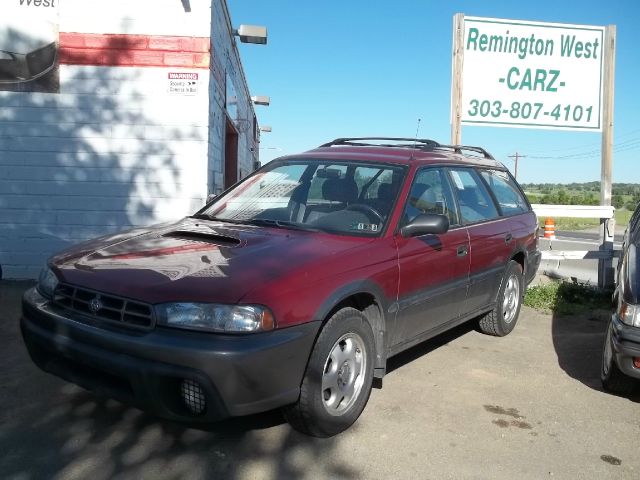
113, 149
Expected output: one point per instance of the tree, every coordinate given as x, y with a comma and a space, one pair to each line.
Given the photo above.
617, 201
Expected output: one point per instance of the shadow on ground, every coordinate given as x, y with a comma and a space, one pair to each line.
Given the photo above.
52, 429
429, 346
578, 337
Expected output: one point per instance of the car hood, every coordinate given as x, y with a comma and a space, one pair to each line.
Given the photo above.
193, 260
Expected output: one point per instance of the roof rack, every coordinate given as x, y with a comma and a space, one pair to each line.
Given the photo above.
459, 149
418, 143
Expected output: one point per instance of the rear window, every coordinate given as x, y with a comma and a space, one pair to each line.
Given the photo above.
506, 192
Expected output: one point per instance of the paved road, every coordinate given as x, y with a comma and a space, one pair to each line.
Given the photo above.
585, 271
584, 235
527, 406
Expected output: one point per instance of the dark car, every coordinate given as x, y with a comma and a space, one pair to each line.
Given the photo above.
292, 288
620, 370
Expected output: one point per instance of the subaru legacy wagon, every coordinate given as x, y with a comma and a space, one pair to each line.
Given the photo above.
294, 287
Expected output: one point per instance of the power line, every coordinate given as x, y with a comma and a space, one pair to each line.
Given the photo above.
593, 144
626, 146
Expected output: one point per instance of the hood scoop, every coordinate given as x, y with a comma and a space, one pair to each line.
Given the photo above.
204, 237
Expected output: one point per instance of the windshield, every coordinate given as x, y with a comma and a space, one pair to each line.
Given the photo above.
351, 198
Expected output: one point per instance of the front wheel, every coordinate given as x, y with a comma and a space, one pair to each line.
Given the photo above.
337, 383
503, 318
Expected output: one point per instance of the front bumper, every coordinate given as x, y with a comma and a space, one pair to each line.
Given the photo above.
239, 374
625, 341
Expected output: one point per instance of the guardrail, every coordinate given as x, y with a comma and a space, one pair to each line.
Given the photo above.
604, 255
574, 211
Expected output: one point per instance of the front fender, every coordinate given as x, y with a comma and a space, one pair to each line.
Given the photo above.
380, 324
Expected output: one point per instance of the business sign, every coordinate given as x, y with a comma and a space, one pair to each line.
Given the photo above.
532, 74
29, 46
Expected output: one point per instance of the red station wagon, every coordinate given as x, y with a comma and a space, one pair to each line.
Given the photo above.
292, 288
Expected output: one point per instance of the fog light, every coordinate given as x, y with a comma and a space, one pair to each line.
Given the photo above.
636, 362
193, 396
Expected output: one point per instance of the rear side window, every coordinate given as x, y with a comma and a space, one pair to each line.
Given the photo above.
506, 192
474, 200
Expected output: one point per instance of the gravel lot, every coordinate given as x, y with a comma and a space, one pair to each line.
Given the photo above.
461, 406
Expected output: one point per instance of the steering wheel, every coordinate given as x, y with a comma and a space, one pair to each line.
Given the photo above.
368, 210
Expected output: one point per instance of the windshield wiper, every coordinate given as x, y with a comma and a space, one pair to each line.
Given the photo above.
203, 216
200, 216
268, 222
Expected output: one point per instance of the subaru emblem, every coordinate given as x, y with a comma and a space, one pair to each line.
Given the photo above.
95, 305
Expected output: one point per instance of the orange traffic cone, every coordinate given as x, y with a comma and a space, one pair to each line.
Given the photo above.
549, 229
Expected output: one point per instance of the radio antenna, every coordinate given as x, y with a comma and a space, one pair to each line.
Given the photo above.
415, 140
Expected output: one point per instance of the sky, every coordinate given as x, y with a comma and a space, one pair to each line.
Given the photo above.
340, 68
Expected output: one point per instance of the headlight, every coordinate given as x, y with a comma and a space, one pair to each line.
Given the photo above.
629, 314
47, 282
215, 318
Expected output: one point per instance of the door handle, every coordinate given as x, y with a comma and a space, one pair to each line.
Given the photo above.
462, 250
508, 237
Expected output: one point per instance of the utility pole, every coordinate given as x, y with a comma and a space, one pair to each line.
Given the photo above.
516, 156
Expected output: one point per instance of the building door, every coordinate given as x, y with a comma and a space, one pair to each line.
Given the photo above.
230, 155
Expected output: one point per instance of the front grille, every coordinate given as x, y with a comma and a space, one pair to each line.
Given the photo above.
101, 306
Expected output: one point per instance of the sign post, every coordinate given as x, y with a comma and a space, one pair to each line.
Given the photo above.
607, 226
456, 79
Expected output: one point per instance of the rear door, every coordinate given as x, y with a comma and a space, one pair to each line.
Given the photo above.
521, 221
433, 268
490, 238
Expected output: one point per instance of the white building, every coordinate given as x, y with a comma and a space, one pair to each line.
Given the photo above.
139, 112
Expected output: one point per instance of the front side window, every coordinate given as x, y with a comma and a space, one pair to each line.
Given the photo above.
341, 197
430, 193
474, 200
506, 192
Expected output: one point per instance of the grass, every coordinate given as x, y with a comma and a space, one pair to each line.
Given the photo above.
567, 298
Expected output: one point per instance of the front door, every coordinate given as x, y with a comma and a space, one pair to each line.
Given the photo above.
434, 269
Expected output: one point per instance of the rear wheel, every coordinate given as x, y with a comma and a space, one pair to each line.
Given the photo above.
613, 380
337, 382
503, 318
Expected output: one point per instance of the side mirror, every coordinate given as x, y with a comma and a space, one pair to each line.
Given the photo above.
426, 223
210, 197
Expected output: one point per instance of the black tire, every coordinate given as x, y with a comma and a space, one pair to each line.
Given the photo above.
319, 411
613, 380
503, 318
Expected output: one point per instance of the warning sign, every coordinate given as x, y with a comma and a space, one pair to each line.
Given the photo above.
182, 83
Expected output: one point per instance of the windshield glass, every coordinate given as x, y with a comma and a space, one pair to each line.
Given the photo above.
352, 198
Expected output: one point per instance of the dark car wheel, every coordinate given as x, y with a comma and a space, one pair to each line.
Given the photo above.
337, 382
503, 318
613, 380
